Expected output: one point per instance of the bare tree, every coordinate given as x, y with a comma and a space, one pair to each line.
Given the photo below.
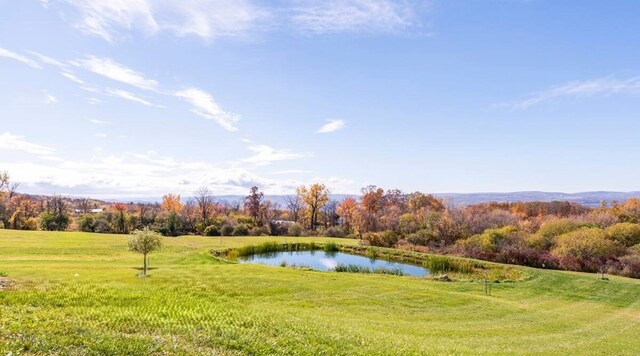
84, 205
329, 215
294, 205
4, 180
205, 202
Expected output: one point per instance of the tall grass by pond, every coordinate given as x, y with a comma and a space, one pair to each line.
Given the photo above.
363, 269
442, 264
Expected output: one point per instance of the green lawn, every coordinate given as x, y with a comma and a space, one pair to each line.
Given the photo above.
78, 293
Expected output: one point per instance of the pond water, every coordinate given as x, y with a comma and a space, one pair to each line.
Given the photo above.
327, 261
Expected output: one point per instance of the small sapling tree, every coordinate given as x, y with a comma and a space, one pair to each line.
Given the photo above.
144, 242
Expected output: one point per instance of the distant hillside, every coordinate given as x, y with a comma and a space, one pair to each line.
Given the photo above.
591, 199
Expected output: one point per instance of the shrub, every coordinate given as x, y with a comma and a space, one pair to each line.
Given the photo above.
630, 266
487, 243
212, 230
226, 230
586, 249
258, 231
408, 224
627, 234
335, 231
30, 224
522, 254
295, 229
557, 227
422, 237
53, 222
241, 230
101, 225
86, 223
382, 239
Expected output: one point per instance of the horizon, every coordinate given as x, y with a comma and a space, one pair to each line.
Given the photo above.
148, 98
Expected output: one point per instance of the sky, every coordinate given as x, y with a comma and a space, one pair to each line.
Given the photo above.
139, 98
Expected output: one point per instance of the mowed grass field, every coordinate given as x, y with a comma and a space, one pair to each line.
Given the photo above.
78, 293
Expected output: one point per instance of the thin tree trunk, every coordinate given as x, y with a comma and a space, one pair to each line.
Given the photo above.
145, 265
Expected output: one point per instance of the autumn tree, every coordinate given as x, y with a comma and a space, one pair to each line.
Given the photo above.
419, 203
171, 203
315, 197
371, 204
346, 209
253, 203
144, 242
22, 212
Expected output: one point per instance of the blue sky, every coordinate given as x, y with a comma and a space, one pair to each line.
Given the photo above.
115, 98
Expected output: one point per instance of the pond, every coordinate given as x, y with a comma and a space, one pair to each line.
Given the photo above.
327, 261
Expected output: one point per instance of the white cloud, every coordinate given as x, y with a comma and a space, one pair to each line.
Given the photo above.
100, 135
265, 155
18, 57
138, 175
332, 16
130, 96
331, 126
205, 106
115, 71
601, 86
50, 99
205, 18
8, 141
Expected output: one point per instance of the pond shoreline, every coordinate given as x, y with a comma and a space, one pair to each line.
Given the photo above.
458, 268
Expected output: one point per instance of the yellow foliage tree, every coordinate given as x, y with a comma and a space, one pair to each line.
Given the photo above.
315, 197
171, 203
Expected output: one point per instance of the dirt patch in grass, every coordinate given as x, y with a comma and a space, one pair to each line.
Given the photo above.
5, 283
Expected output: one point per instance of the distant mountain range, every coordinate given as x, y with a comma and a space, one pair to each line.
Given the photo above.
592, 199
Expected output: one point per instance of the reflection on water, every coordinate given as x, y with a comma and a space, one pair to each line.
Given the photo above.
327, 261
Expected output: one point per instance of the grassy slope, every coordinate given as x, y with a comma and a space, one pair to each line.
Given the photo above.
79, 292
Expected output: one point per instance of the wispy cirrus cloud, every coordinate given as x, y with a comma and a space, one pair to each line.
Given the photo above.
334, 16
112, 19
331, 126
204, 105
606, 86
50, 99
131, 97
116, 71
20, 58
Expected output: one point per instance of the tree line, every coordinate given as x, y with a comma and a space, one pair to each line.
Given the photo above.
555, 234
